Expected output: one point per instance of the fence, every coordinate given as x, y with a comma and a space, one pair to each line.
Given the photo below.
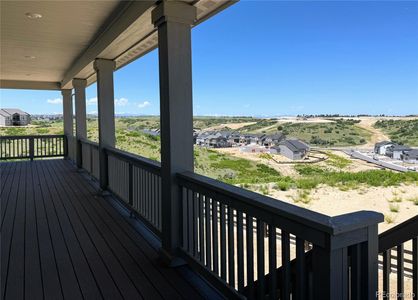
137, 181
23, 147
240, 241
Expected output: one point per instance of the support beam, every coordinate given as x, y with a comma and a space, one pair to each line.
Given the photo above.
67, 112
29, 85
80, 115
173, 20
106, 108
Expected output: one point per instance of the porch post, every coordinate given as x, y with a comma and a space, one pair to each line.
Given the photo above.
106, 109
80, 115
173, 20
67, 112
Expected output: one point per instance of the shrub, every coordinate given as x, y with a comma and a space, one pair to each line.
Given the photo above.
302, 196
389, 219
394, 207
396, 199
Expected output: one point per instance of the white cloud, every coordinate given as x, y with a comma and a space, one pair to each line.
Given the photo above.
91, 101
144, 104
93, 112
121, 102
54, 101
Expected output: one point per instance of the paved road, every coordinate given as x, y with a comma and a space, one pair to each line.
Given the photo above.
388, 165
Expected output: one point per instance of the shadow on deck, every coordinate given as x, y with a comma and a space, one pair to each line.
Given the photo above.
60, 239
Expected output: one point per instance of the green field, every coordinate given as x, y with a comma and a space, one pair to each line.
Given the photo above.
401, 131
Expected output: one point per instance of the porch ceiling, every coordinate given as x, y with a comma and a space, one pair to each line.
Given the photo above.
47, 53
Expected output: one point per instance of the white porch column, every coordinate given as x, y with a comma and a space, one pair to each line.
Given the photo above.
80, 115
173, 20
106, 109
67, 113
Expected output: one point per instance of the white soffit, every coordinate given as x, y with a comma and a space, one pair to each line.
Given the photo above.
42, 49
71, 34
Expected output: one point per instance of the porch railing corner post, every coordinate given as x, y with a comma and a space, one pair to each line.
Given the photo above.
79, 153
352, 243
65, 144
103, 169
31, 148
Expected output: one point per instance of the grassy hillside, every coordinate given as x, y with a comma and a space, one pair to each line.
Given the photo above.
401, 131
338, 133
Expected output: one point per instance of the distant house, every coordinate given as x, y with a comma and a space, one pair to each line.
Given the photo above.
201, 138
13, 117
216, 141
271, 140
410, 156
250, 138
233, 139
292, 148
381, 147
395, 151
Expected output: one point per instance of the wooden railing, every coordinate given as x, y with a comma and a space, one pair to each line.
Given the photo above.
244, 243
23, 147
249, 245
137, 181
236, 237
403, 241
90, 157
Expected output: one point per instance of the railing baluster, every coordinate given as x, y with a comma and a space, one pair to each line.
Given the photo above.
285, 290
190, 218
231, 247
201, 232
400, 270
240, 251
272, 262
260, 260
215, 236
386, 271
301, 287
195, 225
415, 267
355, 272
208, 235
250, 256
31, 148
185, 217
223, 241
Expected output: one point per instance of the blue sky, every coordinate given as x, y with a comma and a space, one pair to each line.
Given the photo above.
269, 58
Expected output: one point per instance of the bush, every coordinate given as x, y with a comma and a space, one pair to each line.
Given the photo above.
394, 207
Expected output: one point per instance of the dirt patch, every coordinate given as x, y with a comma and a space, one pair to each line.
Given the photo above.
332, 201
233, 126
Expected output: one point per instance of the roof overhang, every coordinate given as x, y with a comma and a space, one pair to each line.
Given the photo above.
126, 34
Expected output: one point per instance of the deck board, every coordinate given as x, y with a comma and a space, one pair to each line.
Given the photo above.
60, 240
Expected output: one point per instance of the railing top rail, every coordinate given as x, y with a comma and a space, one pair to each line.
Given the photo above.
85, 141
331, 225
5, 137
137, 160
399, 234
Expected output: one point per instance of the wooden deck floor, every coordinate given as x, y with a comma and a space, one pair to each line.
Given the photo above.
59, 240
